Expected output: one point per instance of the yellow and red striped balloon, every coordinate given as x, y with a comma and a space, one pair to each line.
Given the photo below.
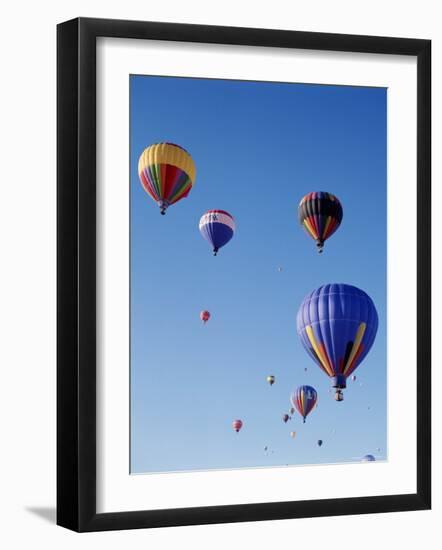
167, 173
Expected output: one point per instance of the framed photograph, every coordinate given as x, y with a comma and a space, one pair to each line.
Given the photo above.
243, 274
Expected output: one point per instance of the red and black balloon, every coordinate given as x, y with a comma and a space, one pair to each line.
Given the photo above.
320, 213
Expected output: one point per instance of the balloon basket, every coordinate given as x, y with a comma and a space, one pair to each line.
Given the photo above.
339, 396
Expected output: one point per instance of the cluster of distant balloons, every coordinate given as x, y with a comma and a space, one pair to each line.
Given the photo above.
336, 323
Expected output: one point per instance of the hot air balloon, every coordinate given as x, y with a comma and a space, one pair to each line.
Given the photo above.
304, 399
320, 213
205, 316
292, 435
217, 227
167, 173
285, 418
319, 442
337, 325
237, 425
271, 379
368, 458
292, 410
354, 377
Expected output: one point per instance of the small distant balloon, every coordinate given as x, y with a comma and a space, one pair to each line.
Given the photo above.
368, 458
265, 448
205, 316
237, 425
319, 442
271, 379
304, 399
292, 410
285, 418
292, 435
280, 269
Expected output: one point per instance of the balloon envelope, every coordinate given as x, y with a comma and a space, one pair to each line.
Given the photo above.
271, 379
166, 172
368, 458
205, 316
320, 214
304, 399
337, 325
217, 227
237, 425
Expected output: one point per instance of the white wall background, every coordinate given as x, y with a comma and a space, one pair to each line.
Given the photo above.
27, 273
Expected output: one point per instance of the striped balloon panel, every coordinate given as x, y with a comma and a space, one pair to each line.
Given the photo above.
165, 182
217, 227
337, 325
166, 171
320, 213
304, 399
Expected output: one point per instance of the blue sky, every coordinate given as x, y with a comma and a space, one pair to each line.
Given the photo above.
258, 148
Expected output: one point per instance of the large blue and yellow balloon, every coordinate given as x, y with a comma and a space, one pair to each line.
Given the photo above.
337, 325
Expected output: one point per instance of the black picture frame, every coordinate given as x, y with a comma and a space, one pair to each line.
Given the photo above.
76, 274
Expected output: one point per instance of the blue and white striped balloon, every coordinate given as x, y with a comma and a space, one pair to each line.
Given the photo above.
217, 227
